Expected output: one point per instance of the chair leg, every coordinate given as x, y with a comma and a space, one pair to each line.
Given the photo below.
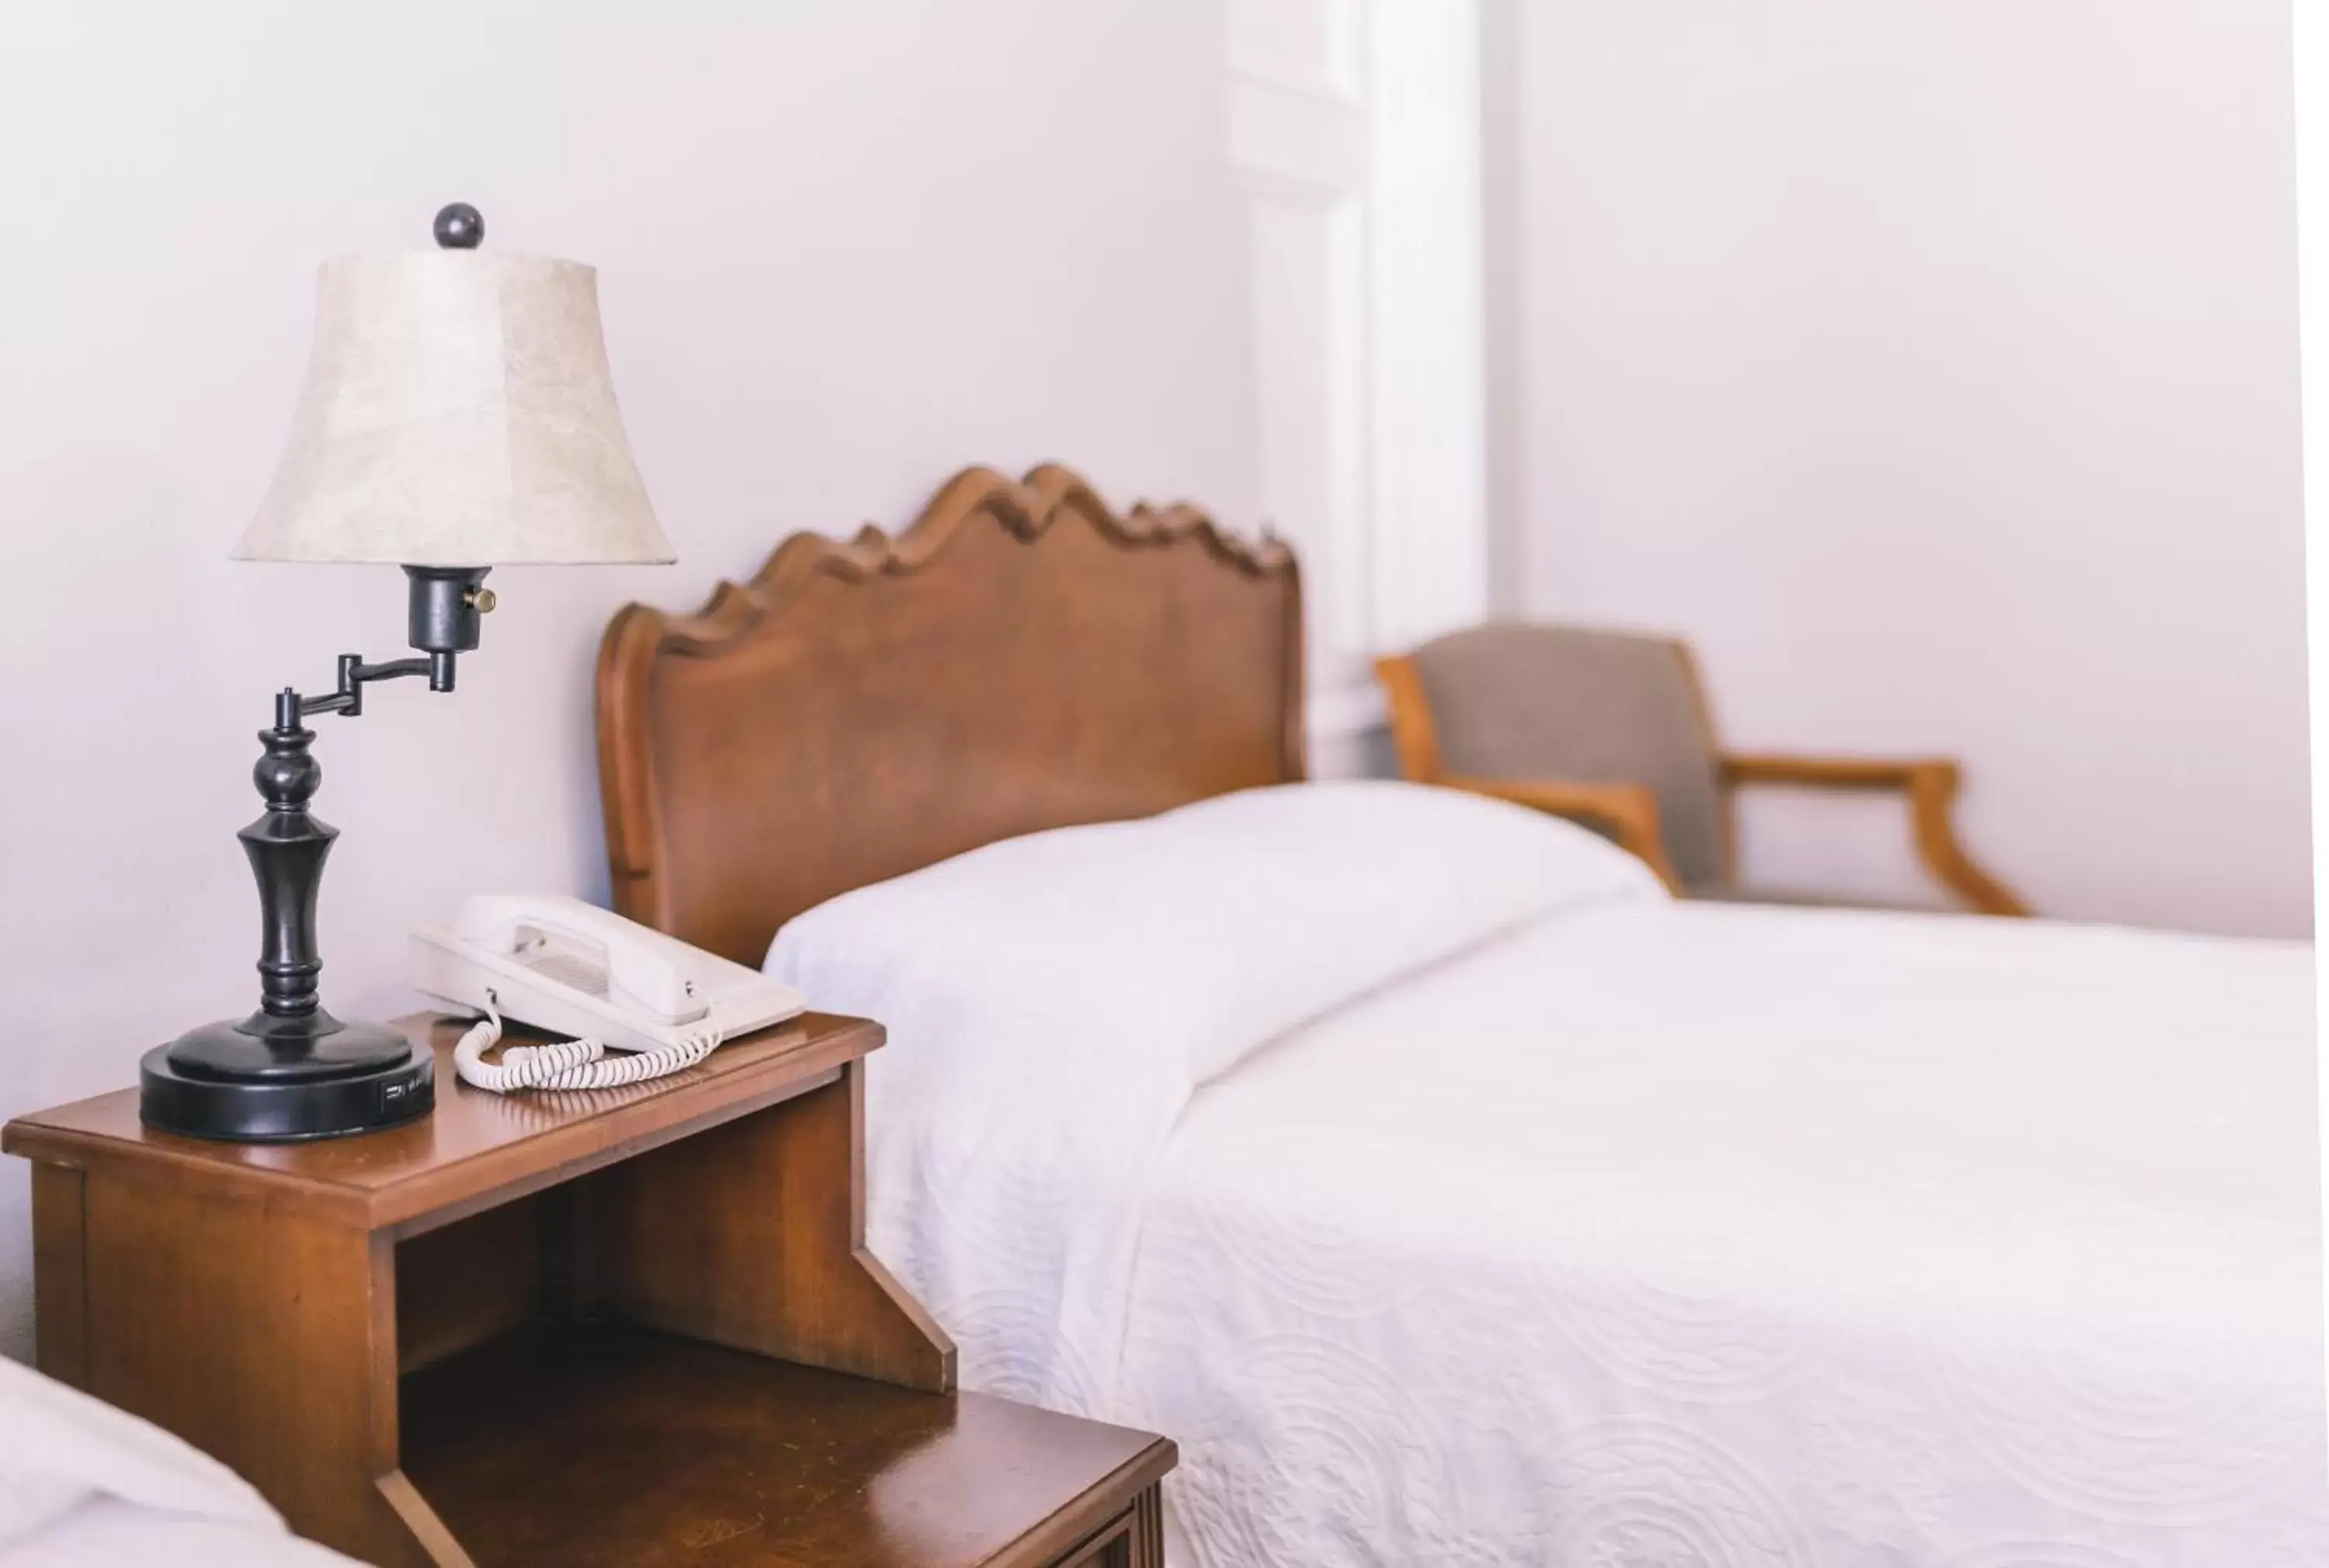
1932, 795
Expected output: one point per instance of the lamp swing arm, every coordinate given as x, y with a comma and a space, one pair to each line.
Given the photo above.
446, 602
355, 674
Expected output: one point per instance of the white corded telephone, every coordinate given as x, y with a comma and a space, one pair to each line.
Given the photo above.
571, 968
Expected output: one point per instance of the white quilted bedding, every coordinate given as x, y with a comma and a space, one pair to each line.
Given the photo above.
1679, 1236
1641, 1235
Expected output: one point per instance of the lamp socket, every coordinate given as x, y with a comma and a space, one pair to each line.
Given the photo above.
446, 606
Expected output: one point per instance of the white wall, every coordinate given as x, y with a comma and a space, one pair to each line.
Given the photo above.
844, 248
1932, 364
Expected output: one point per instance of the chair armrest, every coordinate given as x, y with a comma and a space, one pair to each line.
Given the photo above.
1629, 811
1930, 784
1835, 772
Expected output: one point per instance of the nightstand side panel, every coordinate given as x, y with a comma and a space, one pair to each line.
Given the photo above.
752, 1235
263, 1335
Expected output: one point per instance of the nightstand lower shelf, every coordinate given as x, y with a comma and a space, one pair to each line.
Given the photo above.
598, 1447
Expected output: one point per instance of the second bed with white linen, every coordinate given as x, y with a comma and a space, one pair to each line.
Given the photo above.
83, 1484
1453, 1196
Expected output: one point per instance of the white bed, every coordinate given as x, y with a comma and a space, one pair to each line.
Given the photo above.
83, 1484
1452, 1195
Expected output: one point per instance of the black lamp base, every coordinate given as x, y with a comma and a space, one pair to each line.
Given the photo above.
291, 1070
270, 1080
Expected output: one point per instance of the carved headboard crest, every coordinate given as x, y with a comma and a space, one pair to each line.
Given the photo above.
1021, 658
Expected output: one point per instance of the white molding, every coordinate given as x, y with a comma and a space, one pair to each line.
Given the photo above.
1324, 92
1353, 127
1344, 728
1307, 266
1292, 188
1309, 47
1344, 710
1427, 322
1299, 140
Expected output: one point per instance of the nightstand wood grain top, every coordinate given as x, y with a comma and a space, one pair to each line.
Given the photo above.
475, 1147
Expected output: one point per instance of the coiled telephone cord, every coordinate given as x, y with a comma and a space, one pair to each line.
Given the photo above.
569, 1063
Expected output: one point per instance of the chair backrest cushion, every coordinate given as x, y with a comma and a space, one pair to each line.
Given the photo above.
1513, 701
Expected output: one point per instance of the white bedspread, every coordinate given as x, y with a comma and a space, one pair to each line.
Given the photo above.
107, 1532
1678, 1237
1644, 1235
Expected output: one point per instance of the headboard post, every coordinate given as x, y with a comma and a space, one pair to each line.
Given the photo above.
1021, 658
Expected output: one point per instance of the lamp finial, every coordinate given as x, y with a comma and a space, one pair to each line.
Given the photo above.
459, 227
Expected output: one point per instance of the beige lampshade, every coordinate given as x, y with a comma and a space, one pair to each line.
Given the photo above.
459, 412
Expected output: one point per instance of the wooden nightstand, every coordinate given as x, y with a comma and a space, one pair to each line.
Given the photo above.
630, 1326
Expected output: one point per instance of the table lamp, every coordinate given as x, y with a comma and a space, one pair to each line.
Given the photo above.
458, 414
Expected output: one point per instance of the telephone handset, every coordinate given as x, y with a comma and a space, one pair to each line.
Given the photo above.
571, 968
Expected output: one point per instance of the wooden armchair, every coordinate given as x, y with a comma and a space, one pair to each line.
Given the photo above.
1613, 730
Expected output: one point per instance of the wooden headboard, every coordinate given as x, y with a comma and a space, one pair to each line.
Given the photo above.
1021, 658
